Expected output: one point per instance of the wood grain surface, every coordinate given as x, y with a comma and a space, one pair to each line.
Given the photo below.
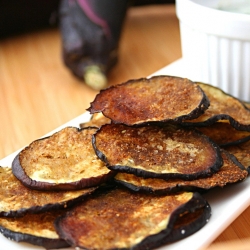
38, 93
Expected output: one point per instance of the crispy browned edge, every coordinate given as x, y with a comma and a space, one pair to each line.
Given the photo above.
189, 224
200, 109
234, 123
35, 240
20, 174
180, 187
143, 173
49, 206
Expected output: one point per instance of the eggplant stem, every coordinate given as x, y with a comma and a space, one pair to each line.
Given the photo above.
95, 78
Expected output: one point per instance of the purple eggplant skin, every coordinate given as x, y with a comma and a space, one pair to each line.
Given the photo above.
170, 234
34, 240
90, 33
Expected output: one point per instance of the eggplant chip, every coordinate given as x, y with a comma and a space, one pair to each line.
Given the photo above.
187, 224
122, 219
222, 107
63, 161
157, 99
241, 152
36, 229
159, 152
18, 200
97, 120
231, 172
223, 134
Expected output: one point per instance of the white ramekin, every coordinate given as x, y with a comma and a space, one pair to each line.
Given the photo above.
215, 46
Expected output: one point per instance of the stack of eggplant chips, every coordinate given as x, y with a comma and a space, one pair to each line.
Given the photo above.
27, 215
178, 151
48, 177
142, 164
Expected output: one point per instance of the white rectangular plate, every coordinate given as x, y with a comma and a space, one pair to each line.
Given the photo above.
227, 204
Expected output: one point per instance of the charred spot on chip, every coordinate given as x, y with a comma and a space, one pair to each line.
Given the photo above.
148, 221
17, 200
222, 107
155, 99
161, 152
36, 229
232, 171
63, 161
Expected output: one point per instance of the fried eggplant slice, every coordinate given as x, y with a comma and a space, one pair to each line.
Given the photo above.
231, 172
18, 200
157, 99
223, 134
36, 229
222, 107
97, 120
188, 224
63, 161
159, 152
122, 219
241, 152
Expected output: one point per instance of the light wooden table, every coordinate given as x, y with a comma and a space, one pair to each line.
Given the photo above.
38, 93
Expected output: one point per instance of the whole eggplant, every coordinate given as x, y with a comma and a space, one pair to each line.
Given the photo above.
90, 31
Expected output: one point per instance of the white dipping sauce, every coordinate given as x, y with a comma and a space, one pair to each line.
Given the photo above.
238, 6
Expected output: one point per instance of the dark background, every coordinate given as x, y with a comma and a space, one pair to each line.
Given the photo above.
18, 16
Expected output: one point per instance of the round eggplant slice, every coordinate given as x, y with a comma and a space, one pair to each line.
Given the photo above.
157, 152
231, 172
18, 200
223, 134
222, 107
36, 229
241, 152
155, 99
63, 161
122, 219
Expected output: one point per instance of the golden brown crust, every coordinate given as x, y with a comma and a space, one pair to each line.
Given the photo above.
231, 172
16, 199
152, 151
37, 229
65, 160
120, 219
160, 98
